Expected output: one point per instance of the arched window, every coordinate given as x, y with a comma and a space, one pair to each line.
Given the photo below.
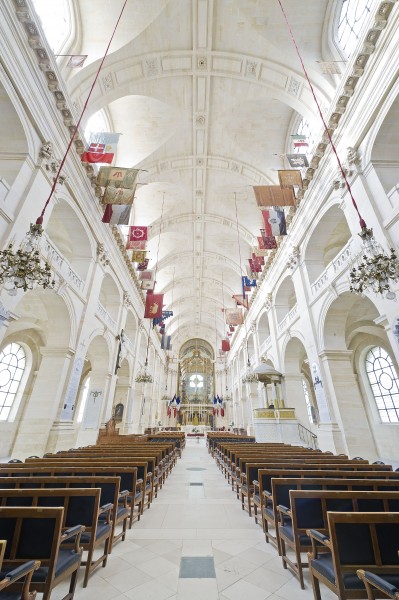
196, 381
82, 404
55, 17
12, 366
384, 382
351, 20
304, 129
95, 124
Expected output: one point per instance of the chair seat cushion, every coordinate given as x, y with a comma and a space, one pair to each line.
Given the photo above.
288, 532
66, 559
121, 512
102, 529
324, 565
257, 499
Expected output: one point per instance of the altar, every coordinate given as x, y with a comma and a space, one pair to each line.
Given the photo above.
199, 429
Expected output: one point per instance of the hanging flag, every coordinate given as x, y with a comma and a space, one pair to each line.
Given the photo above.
254, 266
269, 241
258, 259
240, 300
274, 222
273, 195
142, 266
165, 342
118, 195
300, 141
136, 245
137, 233
298, 161
120, 214
225, 345
101, 148
117, 177
234, 316
138, 256
153, 306
290, 177
107, 214
147, 280
231, 327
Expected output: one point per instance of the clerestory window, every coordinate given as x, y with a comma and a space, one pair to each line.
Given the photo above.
383, 380
12, 367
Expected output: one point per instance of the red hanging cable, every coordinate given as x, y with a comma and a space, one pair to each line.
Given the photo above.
39, 220
361, 220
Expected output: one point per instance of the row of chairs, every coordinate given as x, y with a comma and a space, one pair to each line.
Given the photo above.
343, 513
59, 508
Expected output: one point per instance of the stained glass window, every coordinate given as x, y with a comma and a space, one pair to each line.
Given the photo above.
56, 21
354, 14
12, 366
383, 380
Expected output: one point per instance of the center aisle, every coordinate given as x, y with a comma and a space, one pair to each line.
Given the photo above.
195, 515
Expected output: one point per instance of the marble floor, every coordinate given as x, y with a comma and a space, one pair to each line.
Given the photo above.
193, 520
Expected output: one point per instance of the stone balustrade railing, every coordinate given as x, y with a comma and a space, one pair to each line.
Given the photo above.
333, 269
106, 317
60, 265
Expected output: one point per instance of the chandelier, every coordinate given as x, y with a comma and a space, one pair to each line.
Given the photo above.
24, 269
144, 376
249, 376
375, 270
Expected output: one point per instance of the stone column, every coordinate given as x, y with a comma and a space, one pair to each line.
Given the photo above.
42, 406
348, 405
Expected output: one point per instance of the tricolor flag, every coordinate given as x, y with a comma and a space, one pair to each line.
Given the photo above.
102, 148
120, 214
137, 233
299, 140
153, 306
274, 222
165, 342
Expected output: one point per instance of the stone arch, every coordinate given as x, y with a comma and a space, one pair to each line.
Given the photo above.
263, 327
67, 229
328, 237
110, 296
296, 369
285, 298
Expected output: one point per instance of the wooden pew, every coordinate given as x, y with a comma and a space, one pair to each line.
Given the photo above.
308, 510
23, 571
276, 484
33, 533
109, 486
356, 541
81, 507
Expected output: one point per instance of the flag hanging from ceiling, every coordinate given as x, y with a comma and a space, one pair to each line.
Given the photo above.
118, 195
165, 342
138, 233
234, 316
153, 306
299, 140
118, 177
255, 266
240, 300
269, 241
135, 245
258, 259
290, 177
101, 148
247, 282
107, 214
147, 280
297, 161
273, 195
120, 214
142, 266
225, 345
138, 256
274, 222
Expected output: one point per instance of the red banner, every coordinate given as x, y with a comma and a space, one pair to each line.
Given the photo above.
225, 345
137, 233
153, 306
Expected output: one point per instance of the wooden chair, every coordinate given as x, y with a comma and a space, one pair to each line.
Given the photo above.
376, 584
367, 541
36, 533
24, 571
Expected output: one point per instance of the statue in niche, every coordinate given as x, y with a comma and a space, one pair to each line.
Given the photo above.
122, 350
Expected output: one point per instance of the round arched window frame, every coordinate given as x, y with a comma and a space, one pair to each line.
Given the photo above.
384, 383
13, 369
352, 17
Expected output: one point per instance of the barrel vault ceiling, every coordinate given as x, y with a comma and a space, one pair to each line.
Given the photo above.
206, 94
